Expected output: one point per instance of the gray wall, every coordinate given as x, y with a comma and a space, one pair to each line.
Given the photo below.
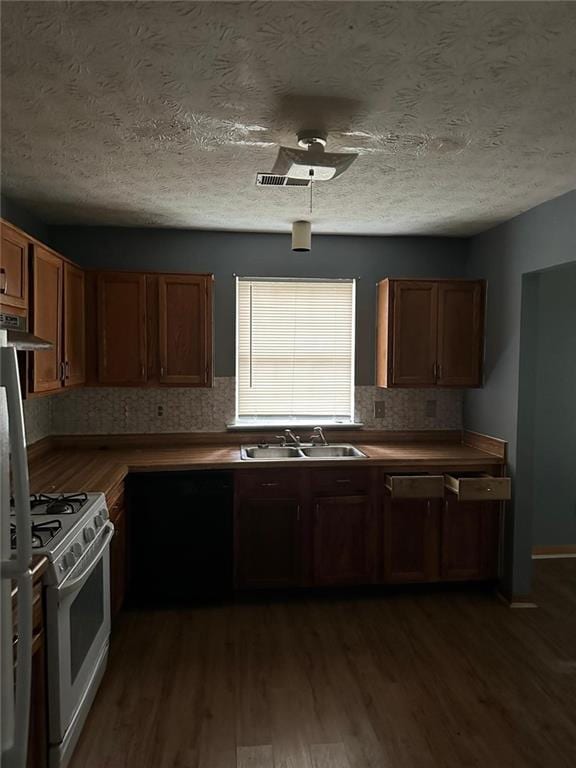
368, 258
554, 408
540, 238
21, 217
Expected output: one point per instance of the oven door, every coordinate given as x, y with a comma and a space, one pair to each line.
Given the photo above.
78, 618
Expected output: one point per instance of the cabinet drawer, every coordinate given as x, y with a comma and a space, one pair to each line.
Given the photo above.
341, 481
479, 487
415, 486
269, 483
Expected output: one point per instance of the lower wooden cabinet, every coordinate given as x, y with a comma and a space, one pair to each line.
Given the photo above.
118, 557
411, 540
268, 543
38, 727
343, 541
470, 533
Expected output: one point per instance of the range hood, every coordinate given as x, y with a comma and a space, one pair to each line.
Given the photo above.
18, 336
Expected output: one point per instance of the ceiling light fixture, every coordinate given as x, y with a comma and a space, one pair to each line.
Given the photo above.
301, 236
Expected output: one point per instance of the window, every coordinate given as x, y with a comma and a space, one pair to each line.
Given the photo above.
295, 350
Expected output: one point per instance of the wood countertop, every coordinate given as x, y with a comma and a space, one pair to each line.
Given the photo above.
92, 468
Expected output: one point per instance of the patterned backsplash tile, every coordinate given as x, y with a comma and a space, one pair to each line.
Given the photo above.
97, 410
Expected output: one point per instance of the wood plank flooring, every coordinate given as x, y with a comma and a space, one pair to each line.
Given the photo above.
427, 680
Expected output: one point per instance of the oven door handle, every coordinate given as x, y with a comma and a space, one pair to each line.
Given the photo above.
78, 583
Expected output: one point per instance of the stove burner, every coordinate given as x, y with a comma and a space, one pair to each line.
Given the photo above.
42, 533
64, 504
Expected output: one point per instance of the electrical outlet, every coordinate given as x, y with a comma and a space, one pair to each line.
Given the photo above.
160, 410
431, 408
380, 409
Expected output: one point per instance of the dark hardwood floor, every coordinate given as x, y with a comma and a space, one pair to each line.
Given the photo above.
451, 680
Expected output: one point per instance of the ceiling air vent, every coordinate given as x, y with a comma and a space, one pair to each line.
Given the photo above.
277, 180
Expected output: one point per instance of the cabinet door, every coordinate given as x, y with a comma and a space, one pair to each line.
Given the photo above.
470, 538
342, 547
460, 333
185, 328
46, 365
13, 268
74, 326
414, 332
121, 328
268, 543
411, 540
118, 564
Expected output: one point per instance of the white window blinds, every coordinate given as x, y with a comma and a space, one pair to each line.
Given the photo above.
295, 348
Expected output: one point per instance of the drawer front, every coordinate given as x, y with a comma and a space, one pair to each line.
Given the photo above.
341, 481
269, 483
480, 488
415, 486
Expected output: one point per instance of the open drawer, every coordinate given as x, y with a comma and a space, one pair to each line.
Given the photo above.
415, 486
478, 487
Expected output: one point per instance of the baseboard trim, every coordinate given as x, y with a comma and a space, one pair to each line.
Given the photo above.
516, 601
551, 552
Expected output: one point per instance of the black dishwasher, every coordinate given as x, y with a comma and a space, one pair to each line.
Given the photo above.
180, 529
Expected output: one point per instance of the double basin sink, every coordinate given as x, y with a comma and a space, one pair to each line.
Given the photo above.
305, 451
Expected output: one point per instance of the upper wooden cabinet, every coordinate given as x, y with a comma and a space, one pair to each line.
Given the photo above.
185, 329
121, 311
74, 326
57, 315
150, 329
47, 366
13, 267
430, 333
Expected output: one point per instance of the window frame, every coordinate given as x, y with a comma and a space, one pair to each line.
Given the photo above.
261, 421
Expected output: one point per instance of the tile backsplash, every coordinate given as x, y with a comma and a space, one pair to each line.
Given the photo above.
98, 410
38, 418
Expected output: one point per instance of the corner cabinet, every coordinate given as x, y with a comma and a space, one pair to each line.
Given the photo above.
150, 329
430, 333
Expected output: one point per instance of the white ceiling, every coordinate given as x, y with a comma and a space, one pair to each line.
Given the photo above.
160, 114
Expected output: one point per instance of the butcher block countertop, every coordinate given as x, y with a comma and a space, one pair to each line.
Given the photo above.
101, 463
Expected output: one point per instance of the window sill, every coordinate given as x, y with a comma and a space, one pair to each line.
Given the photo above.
258, 425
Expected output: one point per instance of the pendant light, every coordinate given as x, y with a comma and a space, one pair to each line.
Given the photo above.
301, 236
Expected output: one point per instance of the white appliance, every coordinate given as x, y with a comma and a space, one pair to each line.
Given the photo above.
74, 532
15, 564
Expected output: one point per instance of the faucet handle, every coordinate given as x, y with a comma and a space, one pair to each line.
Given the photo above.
281, 437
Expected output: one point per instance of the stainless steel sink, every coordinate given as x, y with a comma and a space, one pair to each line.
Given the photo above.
269, 452
304, 452
332, 452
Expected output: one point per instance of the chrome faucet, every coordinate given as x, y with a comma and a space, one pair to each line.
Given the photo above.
282, 438
290, 436
318, 434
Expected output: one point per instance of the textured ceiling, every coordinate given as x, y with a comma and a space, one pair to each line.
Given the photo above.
160, 114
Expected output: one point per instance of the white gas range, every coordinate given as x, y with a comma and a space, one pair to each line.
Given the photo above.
74, 532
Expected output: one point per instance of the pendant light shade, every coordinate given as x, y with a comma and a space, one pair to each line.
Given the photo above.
301, 236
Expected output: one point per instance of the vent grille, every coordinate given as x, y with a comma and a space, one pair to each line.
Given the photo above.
277, 180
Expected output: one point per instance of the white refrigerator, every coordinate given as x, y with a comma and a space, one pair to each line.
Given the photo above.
15, 564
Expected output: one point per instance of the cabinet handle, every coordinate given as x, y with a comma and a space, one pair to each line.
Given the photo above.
435, 370
428, 508
343, 482
62, 371
67, 369
269, 485
439, 371
142, 370
3, 281
298, 513
162, 370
